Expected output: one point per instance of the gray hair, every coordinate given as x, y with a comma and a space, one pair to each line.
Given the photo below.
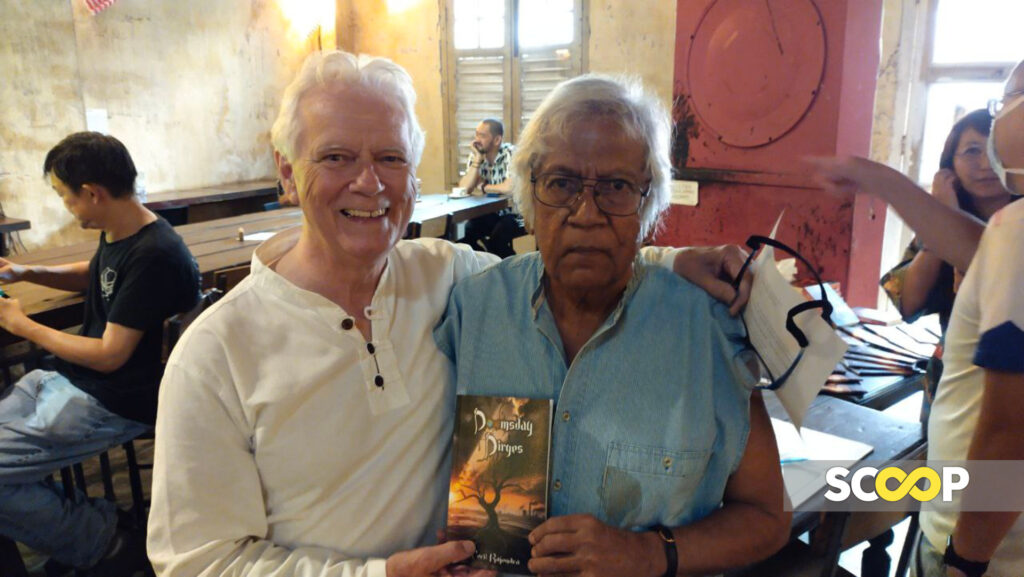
580, 100
338, 68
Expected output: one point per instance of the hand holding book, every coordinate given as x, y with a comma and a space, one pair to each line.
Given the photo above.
434, 561
575, 544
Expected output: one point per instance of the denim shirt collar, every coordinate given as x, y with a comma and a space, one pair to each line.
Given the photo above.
546, 322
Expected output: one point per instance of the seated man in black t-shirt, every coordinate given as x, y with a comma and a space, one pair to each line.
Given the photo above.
104, 389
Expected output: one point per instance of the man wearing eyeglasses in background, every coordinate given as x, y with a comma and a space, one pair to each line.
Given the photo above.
487, 172
976, 415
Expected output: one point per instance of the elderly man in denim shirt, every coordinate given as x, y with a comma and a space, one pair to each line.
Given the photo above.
662, 460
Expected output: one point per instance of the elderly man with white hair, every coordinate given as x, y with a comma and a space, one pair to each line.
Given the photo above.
663, 462
305, 420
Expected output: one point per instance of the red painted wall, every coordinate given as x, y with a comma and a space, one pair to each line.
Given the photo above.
742, 190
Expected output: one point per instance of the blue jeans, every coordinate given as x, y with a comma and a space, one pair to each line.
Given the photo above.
47, 423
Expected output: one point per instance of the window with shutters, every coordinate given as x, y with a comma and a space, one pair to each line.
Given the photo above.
966, 50
503, 57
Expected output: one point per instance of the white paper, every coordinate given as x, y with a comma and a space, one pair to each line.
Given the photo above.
798, 450
842, 314
684, 192
787, 268
259, 236
771, 298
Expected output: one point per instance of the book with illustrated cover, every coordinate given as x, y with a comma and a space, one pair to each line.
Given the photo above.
498, 489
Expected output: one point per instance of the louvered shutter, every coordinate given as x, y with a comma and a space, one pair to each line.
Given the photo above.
488, 77
540, 72
479, 94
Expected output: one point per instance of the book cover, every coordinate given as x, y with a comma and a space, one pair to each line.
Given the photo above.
498, 488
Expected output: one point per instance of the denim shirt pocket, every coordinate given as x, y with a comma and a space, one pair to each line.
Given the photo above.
643, 486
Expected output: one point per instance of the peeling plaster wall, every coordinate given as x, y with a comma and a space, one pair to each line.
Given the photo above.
40, 102
411, 37
891, 93
191, 87
634, 38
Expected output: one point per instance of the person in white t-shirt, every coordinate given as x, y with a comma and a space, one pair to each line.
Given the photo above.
976, 414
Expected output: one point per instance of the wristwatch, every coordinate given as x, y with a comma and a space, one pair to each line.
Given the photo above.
671, 554
970, 568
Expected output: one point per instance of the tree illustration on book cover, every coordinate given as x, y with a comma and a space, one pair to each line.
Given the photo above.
498, 490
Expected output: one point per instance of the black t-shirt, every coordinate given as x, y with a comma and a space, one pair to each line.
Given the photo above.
135, 282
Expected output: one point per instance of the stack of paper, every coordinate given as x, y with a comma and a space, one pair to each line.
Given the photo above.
771, 298
801, 453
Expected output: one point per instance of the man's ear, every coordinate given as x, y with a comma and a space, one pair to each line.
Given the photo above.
94, 193
285, 172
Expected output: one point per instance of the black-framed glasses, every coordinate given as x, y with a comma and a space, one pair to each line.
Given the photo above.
613, 196
755, 243
974, 153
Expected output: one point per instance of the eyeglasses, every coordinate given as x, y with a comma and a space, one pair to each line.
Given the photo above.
995, 106
613, 196
973, 153
774, 382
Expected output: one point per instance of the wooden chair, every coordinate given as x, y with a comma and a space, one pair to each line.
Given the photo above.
176, 325
173, 329
73, 476
226, 279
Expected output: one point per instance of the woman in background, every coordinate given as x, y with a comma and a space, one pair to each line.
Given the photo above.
923, 283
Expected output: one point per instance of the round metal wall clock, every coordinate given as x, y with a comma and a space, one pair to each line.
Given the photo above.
755, 68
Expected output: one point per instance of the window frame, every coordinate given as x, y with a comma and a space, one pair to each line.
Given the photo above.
931, 74
512, 77
918, 29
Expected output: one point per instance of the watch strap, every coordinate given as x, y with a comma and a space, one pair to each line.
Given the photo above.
671, 553
970, 568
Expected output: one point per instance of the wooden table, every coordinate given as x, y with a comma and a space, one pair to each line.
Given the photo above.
893, 440
212, 202
7, 226
437, 207
214, 243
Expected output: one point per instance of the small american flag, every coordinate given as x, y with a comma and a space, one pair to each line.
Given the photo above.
97, 6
